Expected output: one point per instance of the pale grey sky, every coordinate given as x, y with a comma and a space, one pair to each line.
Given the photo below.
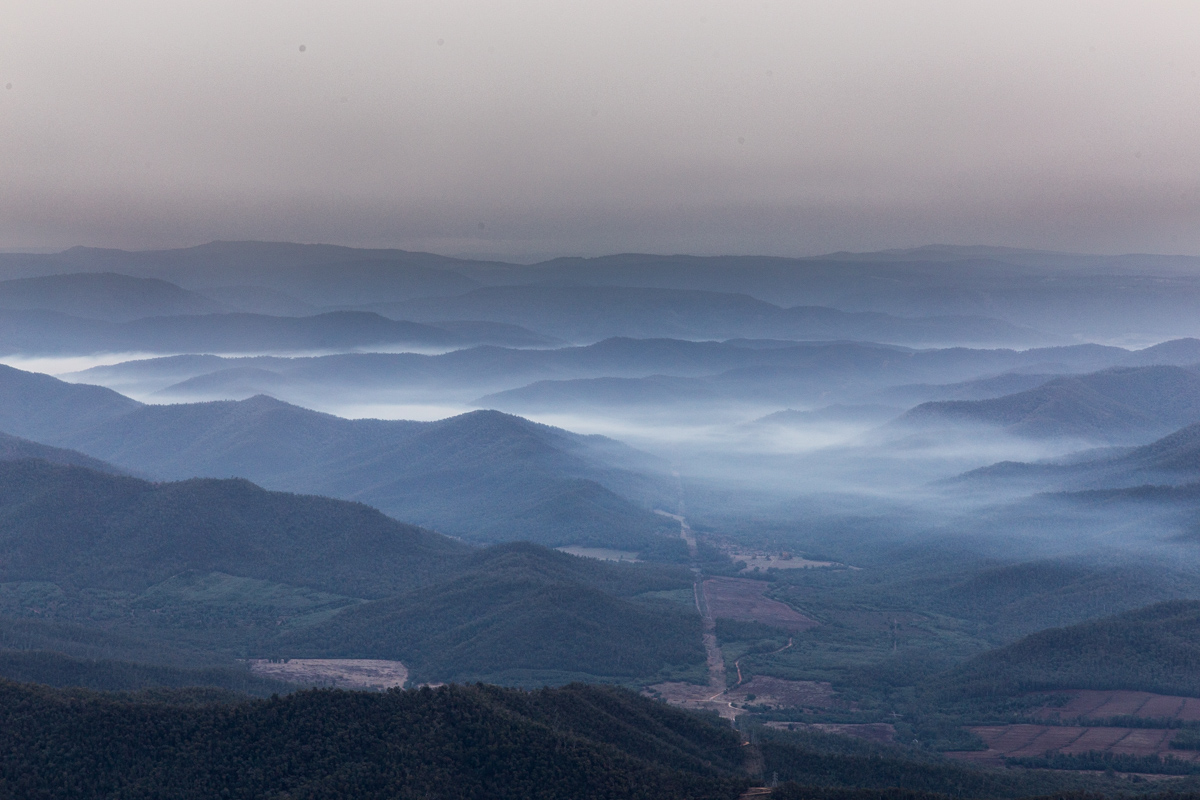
531, 128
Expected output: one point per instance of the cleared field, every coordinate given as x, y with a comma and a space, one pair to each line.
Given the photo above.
1091, 704
771, 692
762, 690
344, 673
1037, 740
693, 696
764, 561
742, 599
881, 732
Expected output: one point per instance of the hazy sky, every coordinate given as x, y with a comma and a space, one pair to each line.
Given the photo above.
530, 128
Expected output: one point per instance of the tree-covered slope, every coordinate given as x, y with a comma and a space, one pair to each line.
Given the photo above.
520, 614
71, 525
1116, 405
13, 448
103, 295
223, 569
108, 675
48, 332
484, 475
452, 742
1154, 649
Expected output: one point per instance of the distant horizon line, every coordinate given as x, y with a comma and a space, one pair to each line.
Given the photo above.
964, 250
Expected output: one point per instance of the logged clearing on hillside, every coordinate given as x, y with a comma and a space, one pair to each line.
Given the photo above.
344, 673
777, 693
743, 600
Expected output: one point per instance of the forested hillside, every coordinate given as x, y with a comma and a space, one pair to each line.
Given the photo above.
485, 476
519, 615
113, 567
71, 525
451, 742
1154, 649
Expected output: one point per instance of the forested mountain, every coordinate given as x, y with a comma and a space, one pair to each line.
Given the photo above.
1154, 649
1173, 460
518, 614
483, 475
40, 332
489, 742
103, 296
226, 567
1116, 406
588, 314
739, 370
88, 529
13, 448
1070, 293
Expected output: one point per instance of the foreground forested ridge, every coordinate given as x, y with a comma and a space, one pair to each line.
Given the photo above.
452, 742
475, 741
114, 568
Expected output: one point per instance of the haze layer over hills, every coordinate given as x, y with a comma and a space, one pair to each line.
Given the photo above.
913, 497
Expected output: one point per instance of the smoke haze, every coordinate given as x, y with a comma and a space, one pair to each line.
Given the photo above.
531, 129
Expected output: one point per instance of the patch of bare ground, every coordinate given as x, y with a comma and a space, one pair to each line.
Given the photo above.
774, 693
883, 732
743, 600
1092, 704
759, 691
693, 696
344, 673
1037, 740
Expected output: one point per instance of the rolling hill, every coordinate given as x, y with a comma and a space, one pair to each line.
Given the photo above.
484, 475
590, 314
791, 371
103, 296
41, 332
13, 448
1068, 293
1153, 649
519, 614
88, 529
1171, 461
203, 570
1120, 405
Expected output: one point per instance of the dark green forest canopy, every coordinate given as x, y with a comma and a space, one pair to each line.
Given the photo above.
67, 524
56, 669
1154, 649
483, 475
452, 742
520, 608
157, 571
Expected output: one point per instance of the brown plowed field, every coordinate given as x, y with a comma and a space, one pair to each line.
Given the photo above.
742, 599
1091, 704
1037, 740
